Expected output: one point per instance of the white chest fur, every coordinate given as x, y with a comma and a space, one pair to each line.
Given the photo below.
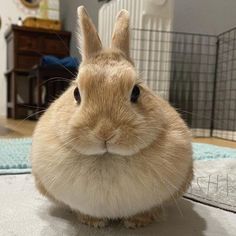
105, 186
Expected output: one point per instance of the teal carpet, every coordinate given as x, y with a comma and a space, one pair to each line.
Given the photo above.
14, 154
202, 151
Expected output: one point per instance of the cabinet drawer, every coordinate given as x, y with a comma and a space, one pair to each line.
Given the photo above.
54, 46
26, 61
28, 42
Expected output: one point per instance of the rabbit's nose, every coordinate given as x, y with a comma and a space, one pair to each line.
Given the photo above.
105, 135
105, 131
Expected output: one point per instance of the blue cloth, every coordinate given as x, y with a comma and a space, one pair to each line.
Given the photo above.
71, 62
14, 154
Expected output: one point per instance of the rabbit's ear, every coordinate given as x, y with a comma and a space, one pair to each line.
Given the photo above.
89, 41
120, 37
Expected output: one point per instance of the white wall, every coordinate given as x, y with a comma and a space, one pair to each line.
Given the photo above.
69, 18
8, 9
204, 16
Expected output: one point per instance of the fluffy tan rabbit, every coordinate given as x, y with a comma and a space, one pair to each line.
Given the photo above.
109, 148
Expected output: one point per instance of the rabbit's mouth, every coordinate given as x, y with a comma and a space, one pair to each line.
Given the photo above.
112, 144
107, 149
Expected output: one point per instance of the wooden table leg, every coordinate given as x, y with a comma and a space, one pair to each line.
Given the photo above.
13, 95
8, 81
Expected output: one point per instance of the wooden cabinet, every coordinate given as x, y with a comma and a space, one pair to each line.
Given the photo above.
25, 47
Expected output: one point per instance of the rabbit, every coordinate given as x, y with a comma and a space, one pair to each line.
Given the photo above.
109, 148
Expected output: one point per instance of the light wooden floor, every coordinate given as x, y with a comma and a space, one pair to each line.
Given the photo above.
24, 128
16, 128
216, 141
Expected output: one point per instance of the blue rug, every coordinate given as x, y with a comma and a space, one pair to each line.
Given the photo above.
202, 151
14, 154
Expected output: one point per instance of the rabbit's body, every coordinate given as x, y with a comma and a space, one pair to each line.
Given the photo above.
110, 185
147, 156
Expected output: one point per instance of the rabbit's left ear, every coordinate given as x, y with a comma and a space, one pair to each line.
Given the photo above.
120, 37
89, 41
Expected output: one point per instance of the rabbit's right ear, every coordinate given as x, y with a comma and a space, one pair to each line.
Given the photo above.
89, 41
120, 36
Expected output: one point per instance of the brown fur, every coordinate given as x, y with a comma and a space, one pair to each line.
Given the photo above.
91, 221
90, 42
120, 37
147, 159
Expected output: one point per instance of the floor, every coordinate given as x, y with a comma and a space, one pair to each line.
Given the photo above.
40, 217
10, 128
216, 141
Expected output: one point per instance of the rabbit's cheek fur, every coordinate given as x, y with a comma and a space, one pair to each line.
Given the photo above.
105, 137
102, 132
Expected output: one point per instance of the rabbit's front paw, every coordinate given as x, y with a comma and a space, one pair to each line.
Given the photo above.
140, 220
137, 221
92, 221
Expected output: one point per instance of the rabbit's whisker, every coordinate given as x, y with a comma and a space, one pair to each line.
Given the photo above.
55, 79
19, 123
165, 184
59, 159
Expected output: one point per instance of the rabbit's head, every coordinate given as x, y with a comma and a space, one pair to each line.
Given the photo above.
113, 111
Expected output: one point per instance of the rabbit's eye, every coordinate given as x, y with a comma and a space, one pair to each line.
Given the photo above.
77, 95
135, 94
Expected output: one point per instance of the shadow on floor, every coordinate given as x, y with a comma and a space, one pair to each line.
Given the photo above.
63, 222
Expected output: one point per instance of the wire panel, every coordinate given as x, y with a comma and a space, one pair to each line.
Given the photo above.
180, 67
225, 90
